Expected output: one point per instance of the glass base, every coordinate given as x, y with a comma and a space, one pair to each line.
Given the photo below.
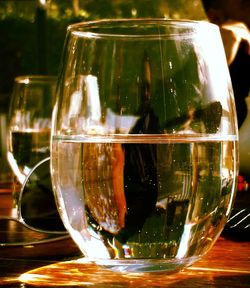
146, 265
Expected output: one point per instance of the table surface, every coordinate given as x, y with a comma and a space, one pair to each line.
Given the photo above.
56, 263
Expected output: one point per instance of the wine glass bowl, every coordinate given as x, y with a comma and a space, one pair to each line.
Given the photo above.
29, 127
144, 142
30, 122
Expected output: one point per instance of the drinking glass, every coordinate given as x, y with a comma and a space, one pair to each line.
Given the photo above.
144, 142
30, 216
29, 125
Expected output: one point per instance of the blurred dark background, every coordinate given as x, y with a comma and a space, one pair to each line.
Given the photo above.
32, 32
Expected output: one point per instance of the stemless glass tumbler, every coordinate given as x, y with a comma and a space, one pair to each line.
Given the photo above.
144, 142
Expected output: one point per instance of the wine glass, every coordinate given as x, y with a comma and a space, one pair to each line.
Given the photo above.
29, 125
144, 142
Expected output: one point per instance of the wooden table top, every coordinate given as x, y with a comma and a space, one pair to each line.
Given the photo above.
226, 265
59, 263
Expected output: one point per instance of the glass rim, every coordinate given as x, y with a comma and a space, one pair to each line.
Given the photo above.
35, 79
20, 217
186, 28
